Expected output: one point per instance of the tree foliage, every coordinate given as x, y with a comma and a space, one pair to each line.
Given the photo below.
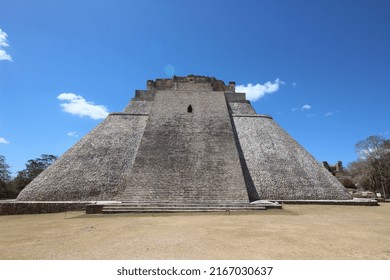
5, 174
6, 190
372, 169
34, 167
10, 188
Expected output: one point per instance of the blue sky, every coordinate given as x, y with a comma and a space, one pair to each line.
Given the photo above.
320, 68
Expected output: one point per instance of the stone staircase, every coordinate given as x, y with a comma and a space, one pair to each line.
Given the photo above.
161, 207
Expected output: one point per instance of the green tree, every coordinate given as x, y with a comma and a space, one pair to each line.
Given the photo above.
34, 167
3, 189
6, 189
5, 174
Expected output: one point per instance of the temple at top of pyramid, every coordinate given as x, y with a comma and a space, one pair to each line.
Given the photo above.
186, 140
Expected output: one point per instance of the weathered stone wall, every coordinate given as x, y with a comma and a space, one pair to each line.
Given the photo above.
279, 167
240, 108
144, 95
37, 207
187, 157
236, 97
138, 107
96, 167
191, 82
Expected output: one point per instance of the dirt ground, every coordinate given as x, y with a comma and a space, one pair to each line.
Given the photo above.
296, 232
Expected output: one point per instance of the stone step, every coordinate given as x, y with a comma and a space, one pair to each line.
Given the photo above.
186, 206
190, 203
118, 210
134, 196
170, 207
189, 206
171, 211
183, 207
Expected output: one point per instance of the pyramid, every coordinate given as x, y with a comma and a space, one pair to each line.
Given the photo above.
186, 140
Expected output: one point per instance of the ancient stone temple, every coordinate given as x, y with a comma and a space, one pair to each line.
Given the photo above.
186, 141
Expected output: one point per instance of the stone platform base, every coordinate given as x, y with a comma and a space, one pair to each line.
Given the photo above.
161, 207
14, 207
355, 201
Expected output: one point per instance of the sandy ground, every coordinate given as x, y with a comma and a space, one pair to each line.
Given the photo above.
296, 232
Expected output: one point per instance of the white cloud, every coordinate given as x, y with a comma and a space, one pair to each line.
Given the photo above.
3, 141
294, 109
3, 44
255, 92
72, 134
328, 114
306, 107
77, 105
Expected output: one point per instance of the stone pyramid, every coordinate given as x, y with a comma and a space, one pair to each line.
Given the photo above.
186, 140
